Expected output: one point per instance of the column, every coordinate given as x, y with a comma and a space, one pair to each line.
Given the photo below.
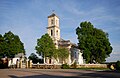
27, 63
20, 63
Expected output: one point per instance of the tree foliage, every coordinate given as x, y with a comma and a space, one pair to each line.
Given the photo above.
65, 66
10, 45
45, 46
93, 42
35, 59
63, 53
117, 65
2, 46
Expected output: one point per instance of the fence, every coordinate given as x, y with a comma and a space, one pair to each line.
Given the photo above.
46, 66
92, 66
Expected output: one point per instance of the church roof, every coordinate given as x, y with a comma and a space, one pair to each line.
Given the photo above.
52, 15
20, 55
63, 42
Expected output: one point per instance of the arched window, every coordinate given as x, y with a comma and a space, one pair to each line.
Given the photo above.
52, 22
56, 22
57, 32
51, 32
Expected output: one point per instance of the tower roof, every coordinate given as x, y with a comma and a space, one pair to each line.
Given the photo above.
52, 15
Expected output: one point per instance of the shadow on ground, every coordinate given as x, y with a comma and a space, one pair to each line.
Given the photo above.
96, 74
36, 76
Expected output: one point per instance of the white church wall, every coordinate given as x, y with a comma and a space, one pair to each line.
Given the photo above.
77, 56
80, 58
13, 61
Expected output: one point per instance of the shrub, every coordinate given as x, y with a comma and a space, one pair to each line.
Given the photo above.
65, 66
2, 66
118, 65
74, 65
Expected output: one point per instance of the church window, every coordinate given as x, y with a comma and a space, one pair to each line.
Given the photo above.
56, 22
51, 32
57, 32
52, 21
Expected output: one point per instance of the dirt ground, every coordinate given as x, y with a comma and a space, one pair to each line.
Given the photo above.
56, 73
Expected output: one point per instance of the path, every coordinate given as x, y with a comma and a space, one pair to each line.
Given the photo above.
56, 73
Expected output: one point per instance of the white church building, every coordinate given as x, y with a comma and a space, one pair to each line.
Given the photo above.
53, 30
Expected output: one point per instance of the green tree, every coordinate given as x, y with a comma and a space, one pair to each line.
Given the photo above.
45, 46
34, 58
63, 53
2, 46
93, 42
117, 65
10, 45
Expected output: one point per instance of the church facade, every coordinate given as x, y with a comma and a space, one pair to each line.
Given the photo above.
53, 30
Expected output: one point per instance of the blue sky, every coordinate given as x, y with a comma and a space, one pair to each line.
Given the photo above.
28, 19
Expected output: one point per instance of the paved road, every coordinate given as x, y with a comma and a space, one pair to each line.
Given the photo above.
56, 73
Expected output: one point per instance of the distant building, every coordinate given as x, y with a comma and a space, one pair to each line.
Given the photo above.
13, 61
53, 30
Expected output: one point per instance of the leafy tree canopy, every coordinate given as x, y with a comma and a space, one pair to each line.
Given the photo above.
35, 59
45, 46
63, 53
93, 42
10, 45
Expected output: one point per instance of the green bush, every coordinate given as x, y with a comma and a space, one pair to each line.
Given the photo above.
2, 66
65, 66
74, 65
118, 65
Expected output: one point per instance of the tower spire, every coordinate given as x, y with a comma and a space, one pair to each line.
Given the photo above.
53, 28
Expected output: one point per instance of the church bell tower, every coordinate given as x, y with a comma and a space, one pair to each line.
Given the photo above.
53, 28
